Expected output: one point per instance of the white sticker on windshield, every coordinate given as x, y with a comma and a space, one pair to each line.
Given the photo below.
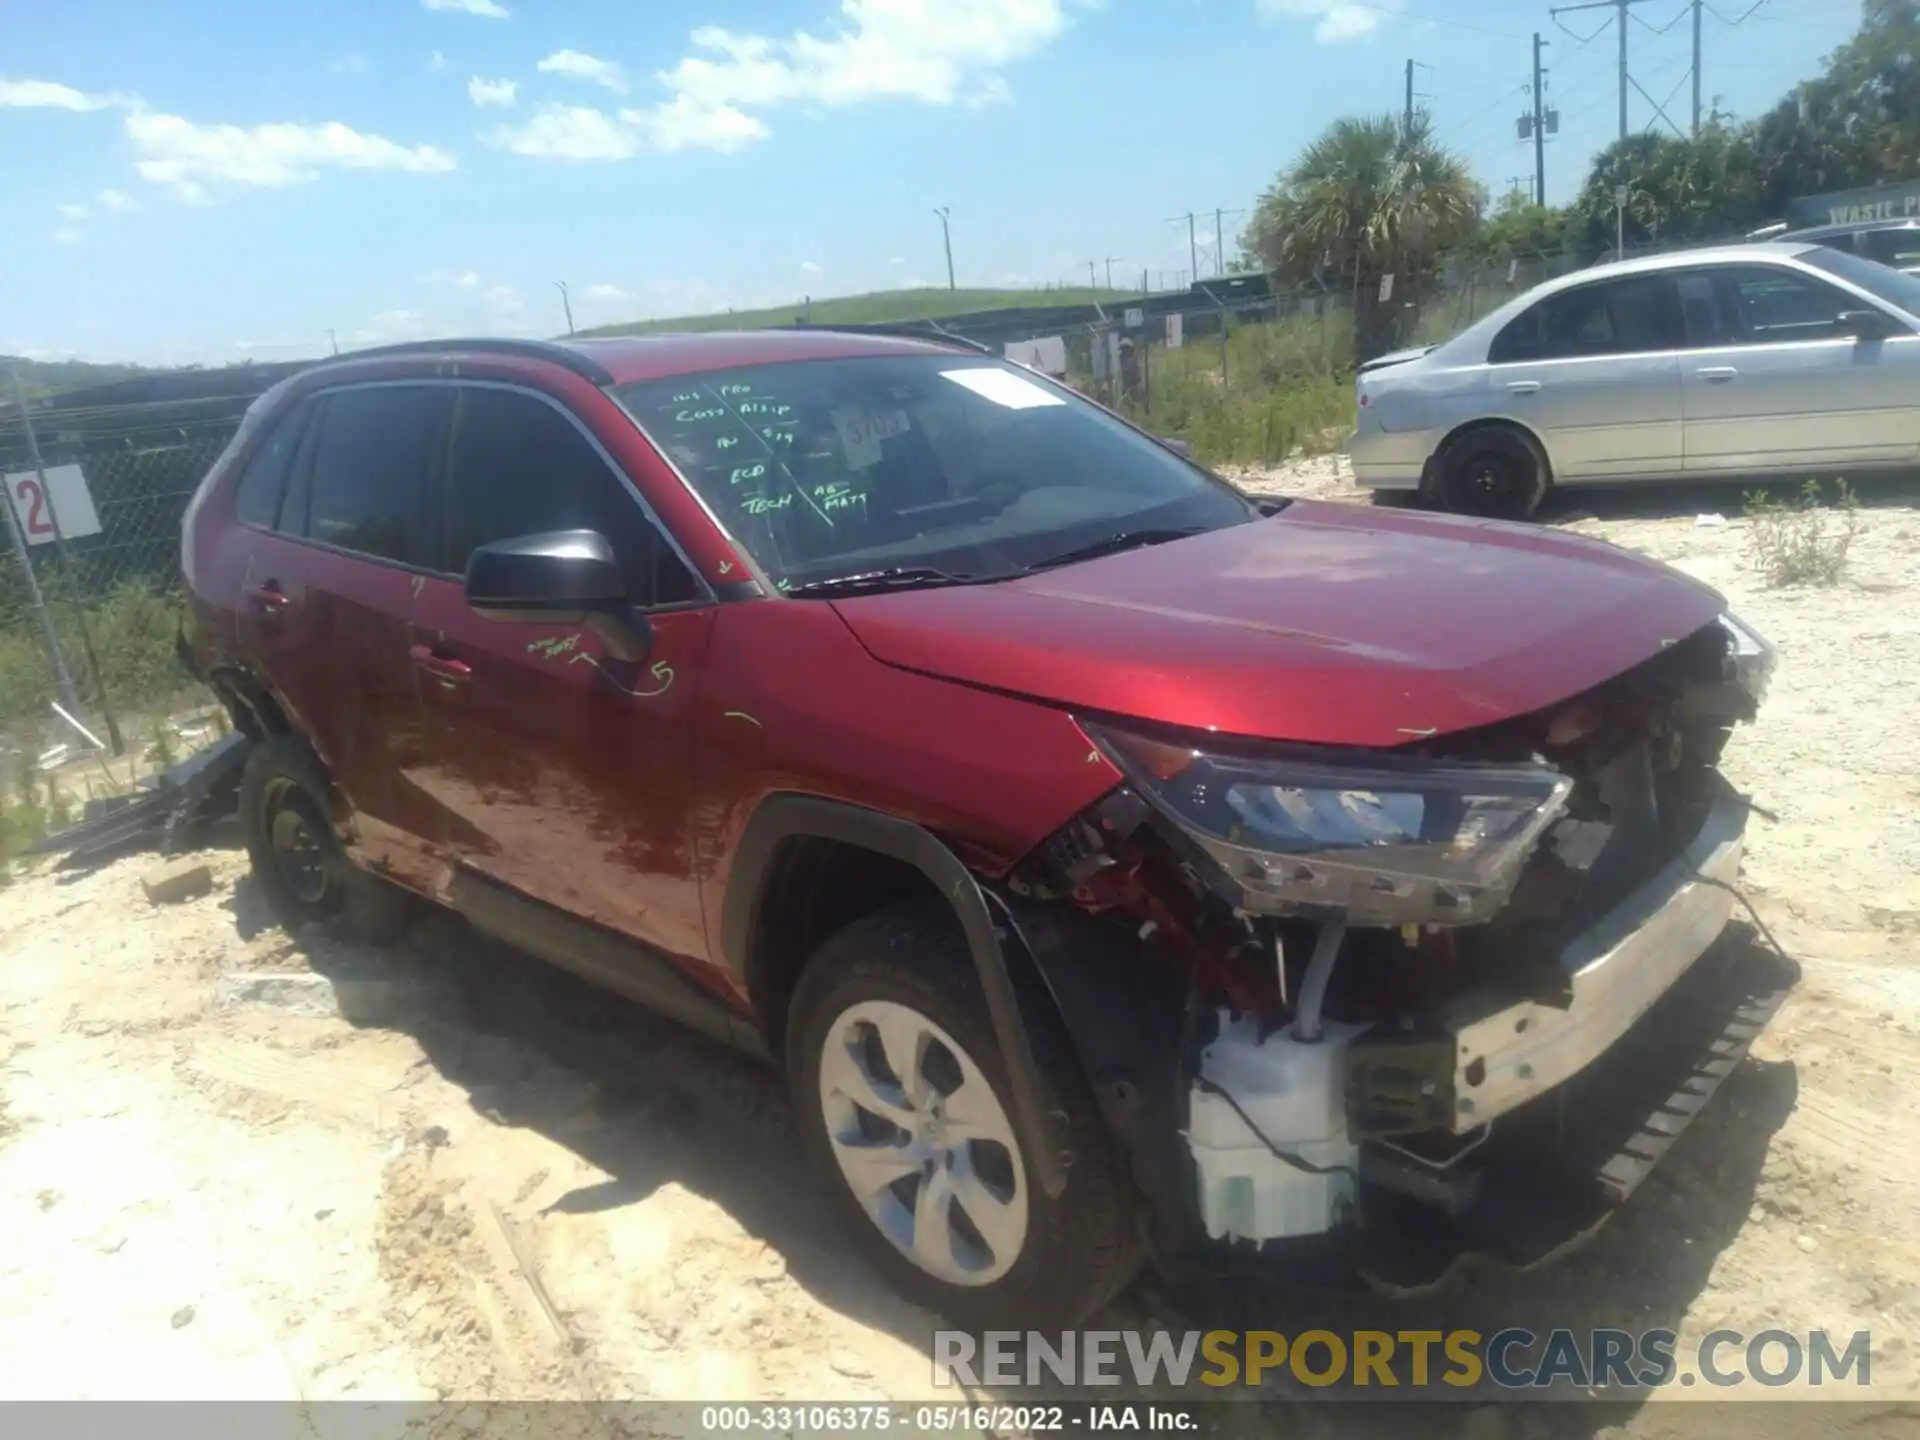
861, 432
1003, 387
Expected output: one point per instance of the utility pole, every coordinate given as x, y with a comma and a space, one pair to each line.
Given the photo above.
333, 340
1539, 126
1696, 69
1220, 242
1619, 7
1407, 123
946, 237
566, 302
1110, 260
1093, 277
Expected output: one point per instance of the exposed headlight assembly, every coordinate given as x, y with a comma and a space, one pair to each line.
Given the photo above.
1388, 841
1752, 656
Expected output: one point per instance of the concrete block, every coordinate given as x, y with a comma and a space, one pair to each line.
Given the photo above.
177, 880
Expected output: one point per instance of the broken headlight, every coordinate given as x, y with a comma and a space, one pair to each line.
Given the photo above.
1388, 840
1752, 657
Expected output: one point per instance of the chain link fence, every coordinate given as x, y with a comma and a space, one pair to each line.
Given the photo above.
90, 573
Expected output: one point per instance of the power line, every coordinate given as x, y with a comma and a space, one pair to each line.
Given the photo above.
1621, 7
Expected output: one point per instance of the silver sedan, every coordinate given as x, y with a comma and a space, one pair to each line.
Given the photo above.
1735, 362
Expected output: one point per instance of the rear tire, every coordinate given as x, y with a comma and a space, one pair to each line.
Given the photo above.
298, 860
902, 980
1495, 472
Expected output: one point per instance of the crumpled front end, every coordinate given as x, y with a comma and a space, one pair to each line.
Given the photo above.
1396, 971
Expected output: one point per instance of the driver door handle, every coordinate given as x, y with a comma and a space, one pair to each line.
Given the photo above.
444, 668
1523, 387
268, 598
1717, 373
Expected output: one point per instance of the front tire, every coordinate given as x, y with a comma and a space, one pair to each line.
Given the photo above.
1495, 472
906, 1115
298, 860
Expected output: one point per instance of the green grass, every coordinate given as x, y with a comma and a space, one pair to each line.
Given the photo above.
1286, 388
132, 627
879, 308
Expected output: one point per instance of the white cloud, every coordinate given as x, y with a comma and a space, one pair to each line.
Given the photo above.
932, 52
118, 201
351, 65
575, 65
1339, 19
489, 8
69, 235
809, 267
47, 95
898, 260
572, 133
504, 297
438, 63
186, 156
464, 279
604, 292
74, 212
685, 124
390, 326
492, 92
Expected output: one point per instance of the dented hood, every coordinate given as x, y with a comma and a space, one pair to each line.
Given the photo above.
1325, 624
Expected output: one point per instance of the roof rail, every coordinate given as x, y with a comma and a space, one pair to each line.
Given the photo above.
550, 350
907, 330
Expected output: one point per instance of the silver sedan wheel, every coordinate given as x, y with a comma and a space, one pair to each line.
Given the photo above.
924, 1143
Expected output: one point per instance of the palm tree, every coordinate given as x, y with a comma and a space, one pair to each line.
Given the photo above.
1369, 198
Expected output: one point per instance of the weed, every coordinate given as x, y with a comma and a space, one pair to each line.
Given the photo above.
1803, 541
162, 752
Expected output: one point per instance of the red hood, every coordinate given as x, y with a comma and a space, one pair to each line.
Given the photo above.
1326, 624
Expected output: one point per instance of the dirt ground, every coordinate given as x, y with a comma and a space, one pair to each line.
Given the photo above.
239, 1164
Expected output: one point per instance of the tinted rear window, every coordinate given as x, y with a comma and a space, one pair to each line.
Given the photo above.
368, 488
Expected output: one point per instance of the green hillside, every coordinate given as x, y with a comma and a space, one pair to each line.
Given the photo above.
880, 307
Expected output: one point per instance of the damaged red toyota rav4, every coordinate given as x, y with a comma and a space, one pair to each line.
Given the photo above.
1119, 867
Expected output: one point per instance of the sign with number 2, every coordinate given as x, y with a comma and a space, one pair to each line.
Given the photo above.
64, 503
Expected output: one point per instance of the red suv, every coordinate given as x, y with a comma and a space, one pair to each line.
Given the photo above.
1119, 866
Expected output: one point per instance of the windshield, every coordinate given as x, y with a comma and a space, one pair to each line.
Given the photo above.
1896, 287
829, 468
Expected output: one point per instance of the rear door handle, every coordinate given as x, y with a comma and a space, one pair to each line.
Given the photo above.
1717, 372
268, 597
442, 667
1523, 387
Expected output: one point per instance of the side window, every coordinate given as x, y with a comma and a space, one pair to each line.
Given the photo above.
1615, 317
1899, 248
369, 481
1777, 307
256, 499
518, 466
1701, 311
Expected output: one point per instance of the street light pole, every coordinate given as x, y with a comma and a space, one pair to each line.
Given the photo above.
566, 302
946, 238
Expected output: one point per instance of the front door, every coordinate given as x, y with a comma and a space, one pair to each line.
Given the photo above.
1787, 391
1592, 371
331, 579
558, 771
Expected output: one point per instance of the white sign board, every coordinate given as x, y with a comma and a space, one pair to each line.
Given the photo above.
1176, 332
1047, 354
1136, 318
65, 500
1386, 287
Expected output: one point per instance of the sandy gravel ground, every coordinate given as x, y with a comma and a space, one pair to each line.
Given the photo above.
482, 1181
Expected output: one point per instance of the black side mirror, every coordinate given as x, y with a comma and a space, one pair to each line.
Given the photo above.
1178, 446
1862, 324
561, 577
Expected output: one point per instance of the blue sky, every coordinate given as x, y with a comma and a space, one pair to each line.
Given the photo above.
190, 181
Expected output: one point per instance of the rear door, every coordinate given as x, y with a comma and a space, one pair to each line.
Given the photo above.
556, 770
329, 588
1786, 390
1593, 371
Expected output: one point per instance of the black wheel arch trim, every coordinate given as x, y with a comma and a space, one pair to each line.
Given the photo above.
783, 817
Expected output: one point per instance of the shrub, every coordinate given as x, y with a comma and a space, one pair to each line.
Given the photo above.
1803, 541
